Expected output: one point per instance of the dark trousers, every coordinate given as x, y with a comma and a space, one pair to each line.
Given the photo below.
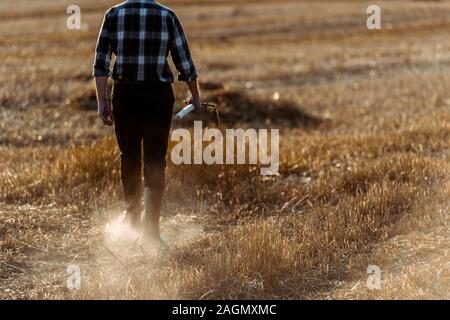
143, 113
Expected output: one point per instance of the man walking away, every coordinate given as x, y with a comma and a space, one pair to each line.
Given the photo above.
141, 34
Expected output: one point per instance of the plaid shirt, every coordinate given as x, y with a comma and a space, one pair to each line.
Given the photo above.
141, 33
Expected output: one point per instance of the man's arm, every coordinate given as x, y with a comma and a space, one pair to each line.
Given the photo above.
104, 108
101, 72
181, 56
195, 93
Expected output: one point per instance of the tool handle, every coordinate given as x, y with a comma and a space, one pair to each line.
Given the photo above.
183, 113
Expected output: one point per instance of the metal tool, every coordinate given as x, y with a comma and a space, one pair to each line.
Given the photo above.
189, 108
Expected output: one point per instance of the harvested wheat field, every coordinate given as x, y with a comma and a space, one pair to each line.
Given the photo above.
364, 119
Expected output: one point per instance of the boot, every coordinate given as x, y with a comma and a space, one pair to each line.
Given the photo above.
152, 206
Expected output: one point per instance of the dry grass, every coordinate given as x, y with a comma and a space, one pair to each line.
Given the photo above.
365, 131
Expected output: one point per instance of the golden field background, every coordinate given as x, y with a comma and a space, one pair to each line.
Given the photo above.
365, 130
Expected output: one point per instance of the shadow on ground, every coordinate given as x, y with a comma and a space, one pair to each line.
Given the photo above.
234, 107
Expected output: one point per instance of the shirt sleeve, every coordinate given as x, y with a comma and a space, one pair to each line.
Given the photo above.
103, 50
179, 50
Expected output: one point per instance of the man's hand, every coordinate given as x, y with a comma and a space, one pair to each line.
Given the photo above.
195, 98
105, 113
197, 102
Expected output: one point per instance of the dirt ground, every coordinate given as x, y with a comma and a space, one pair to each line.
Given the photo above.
364, 119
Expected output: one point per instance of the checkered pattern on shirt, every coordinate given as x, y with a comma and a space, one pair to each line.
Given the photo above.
141, 33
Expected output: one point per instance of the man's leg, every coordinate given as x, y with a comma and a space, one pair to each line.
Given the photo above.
131, 175
155, 148
156, 136
129, 138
